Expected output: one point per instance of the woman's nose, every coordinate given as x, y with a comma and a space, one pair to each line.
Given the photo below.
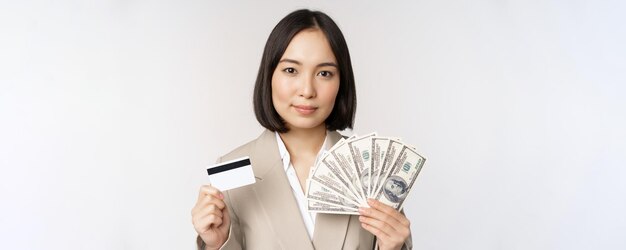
307, 88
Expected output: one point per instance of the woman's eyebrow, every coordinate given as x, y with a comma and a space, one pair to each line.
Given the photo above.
332, 64
287, 60
290, 61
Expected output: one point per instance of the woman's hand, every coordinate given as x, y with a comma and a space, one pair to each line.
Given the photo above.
210, 217
388, 225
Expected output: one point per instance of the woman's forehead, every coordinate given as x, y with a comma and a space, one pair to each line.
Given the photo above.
310, 47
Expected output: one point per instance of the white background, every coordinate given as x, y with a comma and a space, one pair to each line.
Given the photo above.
111, 110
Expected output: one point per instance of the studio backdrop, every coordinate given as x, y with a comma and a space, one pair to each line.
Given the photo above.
110, 111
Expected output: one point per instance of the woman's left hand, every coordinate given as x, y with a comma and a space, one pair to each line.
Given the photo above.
391, 227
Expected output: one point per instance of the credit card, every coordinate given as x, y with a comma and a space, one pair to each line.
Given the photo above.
231, 174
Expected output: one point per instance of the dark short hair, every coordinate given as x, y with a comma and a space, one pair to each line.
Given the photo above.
342, 115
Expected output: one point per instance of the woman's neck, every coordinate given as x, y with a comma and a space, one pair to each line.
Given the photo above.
304, 141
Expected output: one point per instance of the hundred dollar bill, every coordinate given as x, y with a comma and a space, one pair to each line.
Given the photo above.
361, 150
320, 160
390, 154
344, 176
339, 143
323, 175
343, 157
400, 180
396, 162
379, 148
321, 207
318, 192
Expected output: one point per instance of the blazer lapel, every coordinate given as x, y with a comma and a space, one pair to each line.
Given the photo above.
330, 231
276, 196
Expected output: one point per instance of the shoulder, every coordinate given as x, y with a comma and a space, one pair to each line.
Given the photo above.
238, 152
248, 148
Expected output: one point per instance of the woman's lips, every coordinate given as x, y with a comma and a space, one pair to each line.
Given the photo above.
305, 110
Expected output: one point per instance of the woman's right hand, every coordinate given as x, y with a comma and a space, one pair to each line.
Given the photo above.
210, 217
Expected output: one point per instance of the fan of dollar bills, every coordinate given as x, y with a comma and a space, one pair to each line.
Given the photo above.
358, 168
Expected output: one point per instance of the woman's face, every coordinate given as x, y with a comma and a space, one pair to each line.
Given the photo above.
306, 81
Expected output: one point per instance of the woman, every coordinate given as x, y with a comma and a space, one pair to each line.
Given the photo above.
304, 92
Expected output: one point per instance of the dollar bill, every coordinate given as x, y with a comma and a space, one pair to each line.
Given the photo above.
319, 192
401, 178
343, 157
361, 151
357, 168
345, 176
321, 207
392, 152
327, 177
379, 149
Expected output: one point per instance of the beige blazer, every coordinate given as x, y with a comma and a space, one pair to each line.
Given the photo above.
265, 215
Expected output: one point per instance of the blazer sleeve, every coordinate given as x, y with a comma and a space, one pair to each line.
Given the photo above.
408, 244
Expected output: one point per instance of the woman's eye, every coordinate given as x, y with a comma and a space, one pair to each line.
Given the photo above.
290, 70
325, 73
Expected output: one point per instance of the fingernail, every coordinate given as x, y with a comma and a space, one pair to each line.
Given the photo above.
361, 210
221, 196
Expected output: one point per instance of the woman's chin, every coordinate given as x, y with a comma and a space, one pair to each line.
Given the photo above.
305, 125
